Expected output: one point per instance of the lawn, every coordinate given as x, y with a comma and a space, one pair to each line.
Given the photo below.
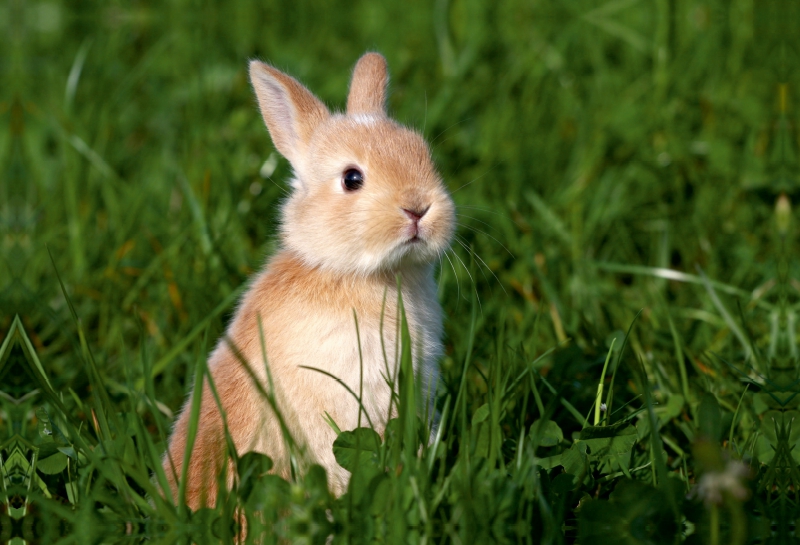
621, 297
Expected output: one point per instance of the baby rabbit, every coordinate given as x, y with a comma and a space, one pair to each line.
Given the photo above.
366, 206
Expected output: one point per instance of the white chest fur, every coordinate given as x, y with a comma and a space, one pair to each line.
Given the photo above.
309, 325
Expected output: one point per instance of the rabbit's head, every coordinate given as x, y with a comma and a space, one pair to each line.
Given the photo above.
366, 196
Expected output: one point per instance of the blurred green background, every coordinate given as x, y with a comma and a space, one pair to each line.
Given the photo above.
588, 145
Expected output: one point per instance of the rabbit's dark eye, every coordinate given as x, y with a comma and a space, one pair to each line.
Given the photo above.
352, 179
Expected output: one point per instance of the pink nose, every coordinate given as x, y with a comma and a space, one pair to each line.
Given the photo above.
415, 215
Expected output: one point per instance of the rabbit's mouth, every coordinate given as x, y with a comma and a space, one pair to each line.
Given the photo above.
413, 246
416, 243
416, 247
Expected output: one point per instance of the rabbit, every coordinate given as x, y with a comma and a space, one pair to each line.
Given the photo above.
366, 206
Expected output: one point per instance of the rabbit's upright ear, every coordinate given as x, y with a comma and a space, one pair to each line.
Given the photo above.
368, 86
290, 111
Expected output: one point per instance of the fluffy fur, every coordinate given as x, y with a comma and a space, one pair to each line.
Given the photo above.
341, 253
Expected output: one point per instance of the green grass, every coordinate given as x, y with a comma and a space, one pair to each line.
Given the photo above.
592, 148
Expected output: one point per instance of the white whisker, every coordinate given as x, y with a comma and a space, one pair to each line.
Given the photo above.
489, 225
482, 209
455, 274
473, 252
475, 179
474, 285
488, 235
433, 142
285, 191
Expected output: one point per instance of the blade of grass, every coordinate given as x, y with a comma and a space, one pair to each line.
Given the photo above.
610, 397
193, 425
599, 397
180, 346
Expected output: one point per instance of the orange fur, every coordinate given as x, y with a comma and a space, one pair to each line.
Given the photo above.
368, 97
341, 253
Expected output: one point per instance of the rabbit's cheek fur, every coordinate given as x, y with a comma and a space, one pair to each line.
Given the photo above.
367, 230
362, 237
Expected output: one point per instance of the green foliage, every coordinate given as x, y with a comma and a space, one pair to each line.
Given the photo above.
635, 513
621, 336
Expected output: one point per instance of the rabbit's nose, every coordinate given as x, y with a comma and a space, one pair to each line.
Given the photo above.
416, 214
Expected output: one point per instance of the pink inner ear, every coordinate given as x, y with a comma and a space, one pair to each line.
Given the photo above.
277, 113
290, 111
276, 109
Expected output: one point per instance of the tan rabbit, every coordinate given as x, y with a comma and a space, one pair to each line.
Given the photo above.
366, 206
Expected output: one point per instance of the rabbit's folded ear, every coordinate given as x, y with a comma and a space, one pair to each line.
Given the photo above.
368, 86
291, 111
